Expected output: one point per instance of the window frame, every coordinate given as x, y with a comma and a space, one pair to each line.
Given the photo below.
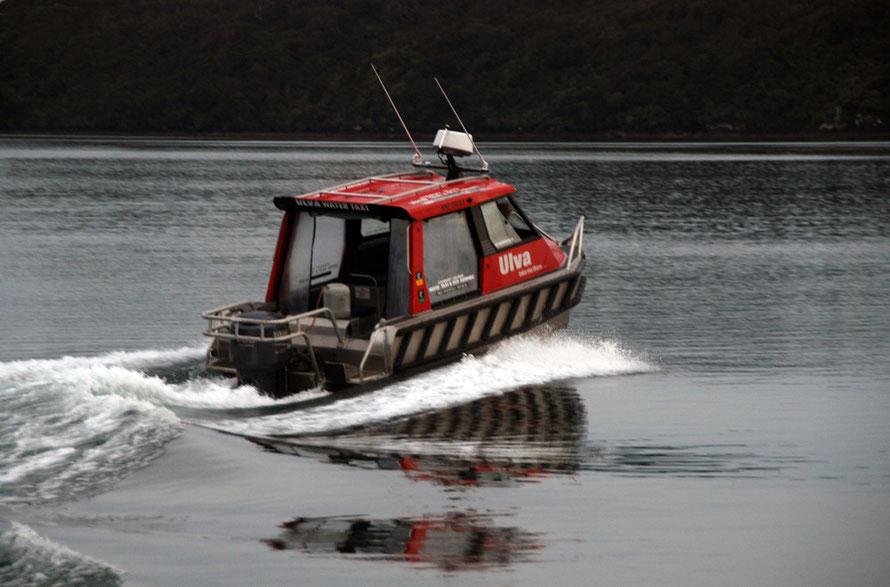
486, 245
475, 284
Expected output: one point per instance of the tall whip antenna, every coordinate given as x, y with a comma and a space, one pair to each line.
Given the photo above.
418, 158
461, 122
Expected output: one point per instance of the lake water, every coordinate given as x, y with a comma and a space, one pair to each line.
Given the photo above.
718, 412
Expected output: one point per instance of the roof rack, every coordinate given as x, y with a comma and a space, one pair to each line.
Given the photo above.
395, 180
394, 177
422, 189
421, 186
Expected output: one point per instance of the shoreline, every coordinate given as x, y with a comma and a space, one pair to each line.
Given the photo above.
601, 136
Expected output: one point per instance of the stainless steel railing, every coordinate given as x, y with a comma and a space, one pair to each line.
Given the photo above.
226, 323
577, 241
379, 331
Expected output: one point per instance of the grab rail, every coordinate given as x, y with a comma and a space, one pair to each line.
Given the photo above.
577, 240
235, 323
318, 376
386, 358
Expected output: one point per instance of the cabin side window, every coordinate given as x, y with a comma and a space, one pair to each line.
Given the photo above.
399, 275
505, 225
449, 257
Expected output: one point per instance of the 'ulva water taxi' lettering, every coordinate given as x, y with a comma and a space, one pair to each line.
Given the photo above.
511, 262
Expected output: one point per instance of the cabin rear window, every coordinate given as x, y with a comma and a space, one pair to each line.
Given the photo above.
506, 226
314, 258
327, 250
449, 257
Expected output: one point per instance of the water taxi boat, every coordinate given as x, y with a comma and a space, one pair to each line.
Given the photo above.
395, 273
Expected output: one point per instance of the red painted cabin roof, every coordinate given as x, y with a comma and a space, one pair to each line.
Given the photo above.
417, 195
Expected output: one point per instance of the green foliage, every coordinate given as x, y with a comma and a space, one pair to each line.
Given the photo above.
509, 65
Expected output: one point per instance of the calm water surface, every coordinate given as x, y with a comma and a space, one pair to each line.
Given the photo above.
718, 413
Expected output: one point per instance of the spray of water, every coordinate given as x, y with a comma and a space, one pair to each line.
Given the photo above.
517, 362
73, 425
33, 560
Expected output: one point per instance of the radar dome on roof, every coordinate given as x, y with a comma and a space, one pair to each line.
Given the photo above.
449, 142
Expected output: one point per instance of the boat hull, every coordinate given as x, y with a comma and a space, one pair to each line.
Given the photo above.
474, 327
409, 344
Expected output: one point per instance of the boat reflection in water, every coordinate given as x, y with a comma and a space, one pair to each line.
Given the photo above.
457, 541
514, 437
517, 437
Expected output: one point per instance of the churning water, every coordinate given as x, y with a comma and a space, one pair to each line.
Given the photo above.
719, 411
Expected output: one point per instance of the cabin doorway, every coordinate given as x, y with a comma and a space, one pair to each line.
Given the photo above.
366, 254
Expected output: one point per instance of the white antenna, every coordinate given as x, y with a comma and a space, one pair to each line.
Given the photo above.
418, 158
475, 148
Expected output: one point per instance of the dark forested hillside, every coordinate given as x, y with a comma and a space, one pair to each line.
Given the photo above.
509, 65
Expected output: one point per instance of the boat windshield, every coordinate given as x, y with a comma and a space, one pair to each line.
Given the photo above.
506, 226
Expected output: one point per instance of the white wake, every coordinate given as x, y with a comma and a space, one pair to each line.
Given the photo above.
515, 363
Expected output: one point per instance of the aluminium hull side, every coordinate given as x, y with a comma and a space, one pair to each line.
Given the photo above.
419, 342
472, 326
